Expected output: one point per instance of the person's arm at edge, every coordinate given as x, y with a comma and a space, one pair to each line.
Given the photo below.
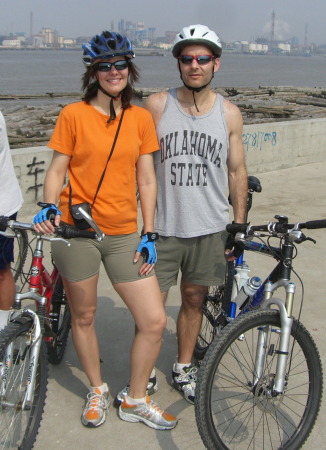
53, 184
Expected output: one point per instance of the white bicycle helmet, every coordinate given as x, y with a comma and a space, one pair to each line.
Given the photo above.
197, 34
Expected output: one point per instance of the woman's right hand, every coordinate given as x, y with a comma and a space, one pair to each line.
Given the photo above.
45, 219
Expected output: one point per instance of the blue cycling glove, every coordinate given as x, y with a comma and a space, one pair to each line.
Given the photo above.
147, 247
48, 212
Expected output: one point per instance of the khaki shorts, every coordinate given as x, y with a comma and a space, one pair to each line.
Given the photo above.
200, 259
82, 259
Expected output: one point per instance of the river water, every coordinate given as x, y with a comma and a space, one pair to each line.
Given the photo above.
38, 72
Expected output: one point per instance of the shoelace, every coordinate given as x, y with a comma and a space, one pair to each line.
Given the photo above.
96, 401
190, 374
154, 408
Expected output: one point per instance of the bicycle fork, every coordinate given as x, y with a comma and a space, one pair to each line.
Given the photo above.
34, 340
285, 333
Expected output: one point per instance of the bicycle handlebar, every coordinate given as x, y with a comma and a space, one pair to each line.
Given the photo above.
274, 227
64, 231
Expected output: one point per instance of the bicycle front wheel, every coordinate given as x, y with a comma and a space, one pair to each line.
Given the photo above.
234, 410
60, 324
18, 425
215, 309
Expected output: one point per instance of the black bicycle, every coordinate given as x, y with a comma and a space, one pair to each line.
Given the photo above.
260, 382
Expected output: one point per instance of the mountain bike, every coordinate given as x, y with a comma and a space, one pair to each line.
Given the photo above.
31, 338
217, 302
260, 382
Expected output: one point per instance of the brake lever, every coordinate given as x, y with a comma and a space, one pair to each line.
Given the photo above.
303, 238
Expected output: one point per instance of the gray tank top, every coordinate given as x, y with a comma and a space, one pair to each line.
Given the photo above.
191, 171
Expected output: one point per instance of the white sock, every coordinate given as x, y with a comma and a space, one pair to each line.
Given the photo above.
4, 314
104, 388
134, 401
153, 373
180, 366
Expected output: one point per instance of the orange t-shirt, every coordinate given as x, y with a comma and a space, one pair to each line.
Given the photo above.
82, 132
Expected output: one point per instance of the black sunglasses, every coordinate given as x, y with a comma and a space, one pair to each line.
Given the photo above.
201, 59
107, 66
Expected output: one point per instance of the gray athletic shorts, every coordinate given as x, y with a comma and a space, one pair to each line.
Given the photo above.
200, 259
82, 259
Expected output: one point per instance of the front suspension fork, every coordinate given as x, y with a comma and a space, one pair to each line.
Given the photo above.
285, 333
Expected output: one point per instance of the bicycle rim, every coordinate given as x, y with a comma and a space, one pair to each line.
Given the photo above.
18, 427
234, 412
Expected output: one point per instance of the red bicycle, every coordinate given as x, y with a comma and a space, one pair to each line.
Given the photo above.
32, 337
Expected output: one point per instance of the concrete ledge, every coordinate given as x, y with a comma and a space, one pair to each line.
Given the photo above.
268, 146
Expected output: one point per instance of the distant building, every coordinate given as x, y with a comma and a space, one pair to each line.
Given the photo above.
14, 43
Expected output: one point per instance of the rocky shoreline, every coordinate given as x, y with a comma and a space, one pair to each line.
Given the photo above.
30, 119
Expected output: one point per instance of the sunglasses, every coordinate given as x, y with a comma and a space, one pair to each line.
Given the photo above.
107, 66
201, 59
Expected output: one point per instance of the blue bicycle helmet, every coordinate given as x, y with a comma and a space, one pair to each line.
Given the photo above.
107, 45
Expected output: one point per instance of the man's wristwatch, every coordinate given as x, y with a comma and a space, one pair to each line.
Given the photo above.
151, 236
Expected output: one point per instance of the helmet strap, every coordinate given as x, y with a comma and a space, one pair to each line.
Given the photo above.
113, 98
195, 89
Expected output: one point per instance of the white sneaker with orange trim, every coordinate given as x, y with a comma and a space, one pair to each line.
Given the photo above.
94, 411
148, 413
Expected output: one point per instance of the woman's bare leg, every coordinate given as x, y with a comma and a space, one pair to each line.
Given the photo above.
82, 298
143, 298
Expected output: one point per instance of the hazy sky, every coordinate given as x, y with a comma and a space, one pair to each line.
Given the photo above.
231, 19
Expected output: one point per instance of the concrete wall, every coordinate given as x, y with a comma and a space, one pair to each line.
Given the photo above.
279, 145
268, 147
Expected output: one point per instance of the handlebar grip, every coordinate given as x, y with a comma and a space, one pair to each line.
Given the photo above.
313, 224
234, 228
69, 233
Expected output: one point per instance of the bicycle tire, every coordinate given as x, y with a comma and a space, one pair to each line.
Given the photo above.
18, 428
21, 248
60, 324
232, 413
215, 309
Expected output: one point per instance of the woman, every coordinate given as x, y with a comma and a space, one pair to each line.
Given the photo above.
106, 145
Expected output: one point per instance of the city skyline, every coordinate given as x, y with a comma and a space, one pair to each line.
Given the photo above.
231, 19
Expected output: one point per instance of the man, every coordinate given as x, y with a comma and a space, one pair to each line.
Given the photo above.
201, 157
200, 135
10, 202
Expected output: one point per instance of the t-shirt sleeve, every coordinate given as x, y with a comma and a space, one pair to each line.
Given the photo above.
63, 137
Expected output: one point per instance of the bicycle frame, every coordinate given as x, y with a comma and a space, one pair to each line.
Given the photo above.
263, 299
41, 283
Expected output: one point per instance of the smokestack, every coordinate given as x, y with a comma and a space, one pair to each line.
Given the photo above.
31, 28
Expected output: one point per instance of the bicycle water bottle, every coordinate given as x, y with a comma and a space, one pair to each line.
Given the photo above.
248, 290
241, 276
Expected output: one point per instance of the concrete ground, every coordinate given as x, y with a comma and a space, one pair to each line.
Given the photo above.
298, 193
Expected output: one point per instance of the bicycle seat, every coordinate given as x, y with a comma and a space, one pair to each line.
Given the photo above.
254, 184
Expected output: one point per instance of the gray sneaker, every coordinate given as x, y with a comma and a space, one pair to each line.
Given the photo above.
148, 413
151, 389
185, 382
95, 406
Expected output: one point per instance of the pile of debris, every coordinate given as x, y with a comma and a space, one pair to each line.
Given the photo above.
31, 124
